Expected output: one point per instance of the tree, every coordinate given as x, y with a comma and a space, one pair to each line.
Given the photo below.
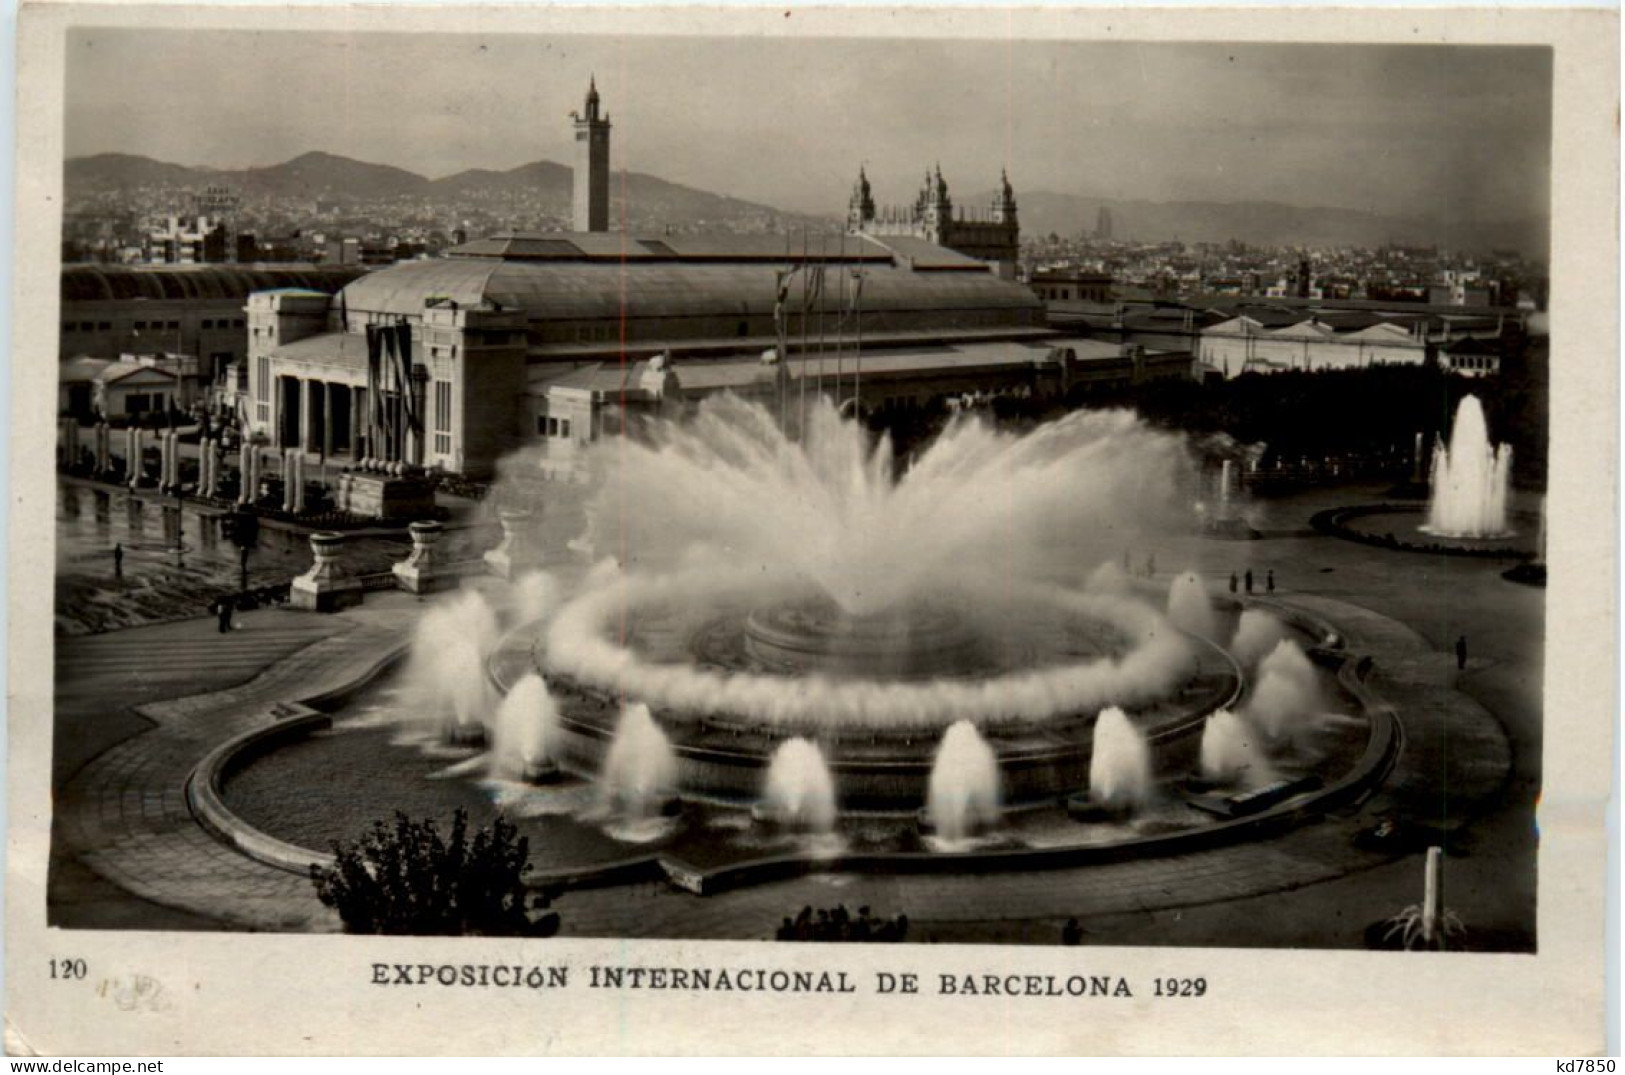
406, 878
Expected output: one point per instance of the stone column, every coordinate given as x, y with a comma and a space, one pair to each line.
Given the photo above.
134, 456
104, 448
172, 461
210, 476
327, 417
360, 444
298, 483
517, 552
288, 456
418, 572
245, 469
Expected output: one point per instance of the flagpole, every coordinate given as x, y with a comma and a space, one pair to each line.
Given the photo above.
806, 297
823, 258
857, 375
840, 321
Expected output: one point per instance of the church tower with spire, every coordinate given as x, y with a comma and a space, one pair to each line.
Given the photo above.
860, 211
591, 164
992, 235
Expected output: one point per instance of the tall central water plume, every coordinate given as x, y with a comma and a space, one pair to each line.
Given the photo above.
831, 510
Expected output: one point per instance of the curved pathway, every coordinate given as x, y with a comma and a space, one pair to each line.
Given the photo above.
125, 816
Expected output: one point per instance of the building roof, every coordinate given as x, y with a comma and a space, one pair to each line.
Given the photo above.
81, 368
618, 247
119, 371
734, 373
592, 289
103, 283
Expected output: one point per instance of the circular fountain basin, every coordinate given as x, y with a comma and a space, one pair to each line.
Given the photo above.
880, 763
816, 637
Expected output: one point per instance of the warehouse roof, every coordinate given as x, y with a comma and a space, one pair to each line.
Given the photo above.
101, 283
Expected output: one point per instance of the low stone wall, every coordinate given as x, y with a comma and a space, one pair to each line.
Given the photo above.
204, 792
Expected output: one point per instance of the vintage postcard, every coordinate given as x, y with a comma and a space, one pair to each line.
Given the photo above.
584, 530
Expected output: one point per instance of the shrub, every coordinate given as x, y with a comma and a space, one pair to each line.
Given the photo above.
407, 878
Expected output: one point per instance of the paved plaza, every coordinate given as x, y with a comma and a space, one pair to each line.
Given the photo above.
137, 708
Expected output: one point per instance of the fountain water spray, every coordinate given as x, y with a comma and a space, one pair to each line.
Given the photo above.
639, 777
800, 792
1232, 752
1120, 764
1189, 606
1286, 700
963, 796
525, 731
846, 523
1108, 578
1257, 632
535, 596
1470, 479
447, 665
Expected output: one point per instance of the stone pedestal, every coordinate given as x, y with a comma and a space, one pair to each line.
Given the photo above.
417, 573
518, 552
386, 496
327, 586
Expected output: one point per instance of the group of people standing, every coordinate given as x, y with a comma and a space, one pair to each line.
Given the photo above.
1245, 580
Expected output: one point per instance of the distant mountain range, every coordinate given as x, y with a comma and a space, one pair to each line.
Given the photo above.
327, 176
655, 202
1268, 224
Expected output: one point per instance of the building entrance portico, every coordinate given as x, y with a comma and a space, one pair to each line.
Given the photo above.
318, 417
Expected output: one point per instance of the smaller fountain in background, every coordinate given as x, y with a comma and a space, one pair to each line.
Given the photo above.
1119, 764
963, 796
639, 776
525, 732
800, 791
1470, 479
1189, 606
1231, 751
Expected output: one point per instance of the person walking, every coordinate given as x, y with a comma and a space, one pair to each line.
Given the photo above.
1461, 653
118, 560
1269, 581
223, 611
1248, 580
1233, 582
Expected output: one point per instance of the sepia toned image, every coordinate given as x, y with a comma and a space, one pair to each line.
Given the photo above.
961, 490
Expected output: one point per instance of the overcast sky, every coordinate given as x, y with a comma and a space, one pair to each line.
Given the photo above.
1442, 132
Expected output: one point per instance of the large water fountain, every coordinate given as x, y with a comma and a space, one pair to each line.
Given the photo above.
1470, 479
778, 593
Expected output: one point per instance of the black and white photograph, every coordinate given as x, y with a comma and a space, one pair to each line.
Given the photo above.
942, 490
